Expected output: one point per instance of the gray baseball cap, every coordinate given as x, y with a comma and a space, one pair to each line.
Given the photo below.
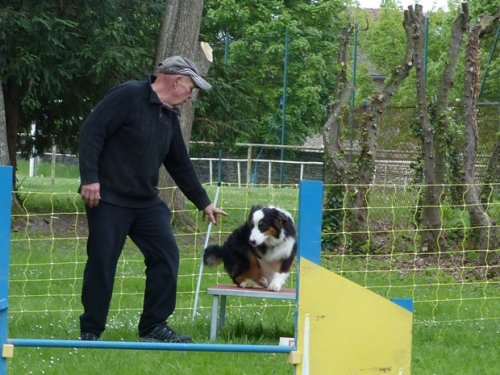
183, 66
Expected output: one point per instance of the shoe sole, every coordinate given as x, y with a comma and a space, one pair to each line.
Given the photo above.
89, 338
145, 339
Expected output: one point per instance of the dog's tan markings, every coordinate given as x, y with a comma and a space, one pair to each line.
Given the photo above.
240, 278
271, 232
253, 273
262, 281
276, 265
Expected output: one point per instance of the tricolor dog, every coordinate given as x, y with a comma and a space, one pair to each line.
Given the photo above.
261, 251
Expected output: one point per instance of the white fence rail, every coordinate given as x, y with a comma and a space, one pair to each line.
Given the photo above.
213, 178
242, 171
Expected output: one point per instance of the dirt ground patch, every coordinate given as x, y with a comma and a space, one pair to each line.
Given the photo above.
57, 225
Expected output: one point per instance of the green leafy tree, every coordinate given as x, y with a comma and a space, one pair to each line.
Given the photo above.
246, 103
384, 41
57, 59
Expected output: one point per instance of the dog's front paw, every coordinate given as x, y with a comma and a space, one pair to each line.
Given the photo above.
278, 281
275, 287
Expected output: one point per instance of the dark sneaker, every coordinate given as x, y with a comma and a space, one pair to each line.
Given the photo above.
87, 336
164, 333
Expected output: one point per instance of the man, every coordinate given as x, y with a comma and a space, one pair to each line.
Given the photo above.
130, 133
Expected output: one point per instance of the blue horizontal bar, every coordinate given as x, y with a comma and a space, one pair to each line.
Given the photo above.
150, 346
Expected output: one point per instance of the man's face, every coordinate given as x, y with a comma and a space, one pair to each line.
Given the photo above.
184, 88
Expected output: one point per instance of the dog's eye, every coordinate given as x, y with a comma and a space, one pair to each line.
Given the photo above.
261, 224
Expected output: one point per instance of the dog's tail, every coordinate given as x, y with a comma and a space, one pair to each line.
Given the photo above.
213, 255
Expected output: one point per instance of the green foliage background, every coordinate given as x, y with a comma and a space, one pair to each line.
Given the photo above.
384, 44
59, 58
249, 48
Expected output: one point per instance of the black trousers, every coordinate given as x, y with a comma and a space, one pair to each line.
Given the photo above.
150, 229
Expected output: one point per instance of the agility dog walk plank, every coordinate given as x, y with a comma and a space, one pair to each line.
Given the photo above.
221, 291
351, 329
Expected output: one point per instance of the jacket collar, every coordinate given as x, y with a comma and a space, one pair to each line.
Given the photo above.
153, 98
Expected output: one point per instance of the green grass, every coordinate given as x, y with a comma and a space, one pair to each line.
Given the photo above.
44, 170
455, 326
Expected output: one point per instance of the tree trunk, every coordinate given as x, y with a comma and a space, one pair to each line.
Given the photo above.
12, 104
358, 180
336, 164
368, 142
179, 36
444, 140
5, 158
4, 146
431, 219
492, 176
485, 234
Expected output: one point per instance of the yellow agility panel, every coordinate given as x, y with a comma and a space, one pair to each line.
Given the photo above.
352, 330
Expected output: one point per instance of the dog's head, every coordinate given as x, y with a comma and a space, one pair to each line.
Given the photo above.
269, 225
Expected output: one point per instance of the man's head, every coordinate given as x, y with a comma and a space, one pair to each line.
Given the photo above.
179, 65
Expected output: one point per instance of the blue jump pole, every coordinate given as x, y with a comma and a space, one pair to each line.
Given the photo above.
193, 347
5, 213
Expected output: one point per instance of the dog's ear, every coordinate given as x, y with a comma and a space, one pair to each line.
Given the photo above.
281, 219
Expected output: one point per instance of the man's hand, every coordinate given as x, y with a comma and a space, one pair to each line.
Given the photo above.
91, 194
211, 212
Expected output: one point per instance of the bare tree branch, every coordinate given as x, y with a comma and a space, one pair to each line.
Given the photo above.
430, 211
343, 91
401, 71
365, 165
441, 144
358, 176
486, 233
